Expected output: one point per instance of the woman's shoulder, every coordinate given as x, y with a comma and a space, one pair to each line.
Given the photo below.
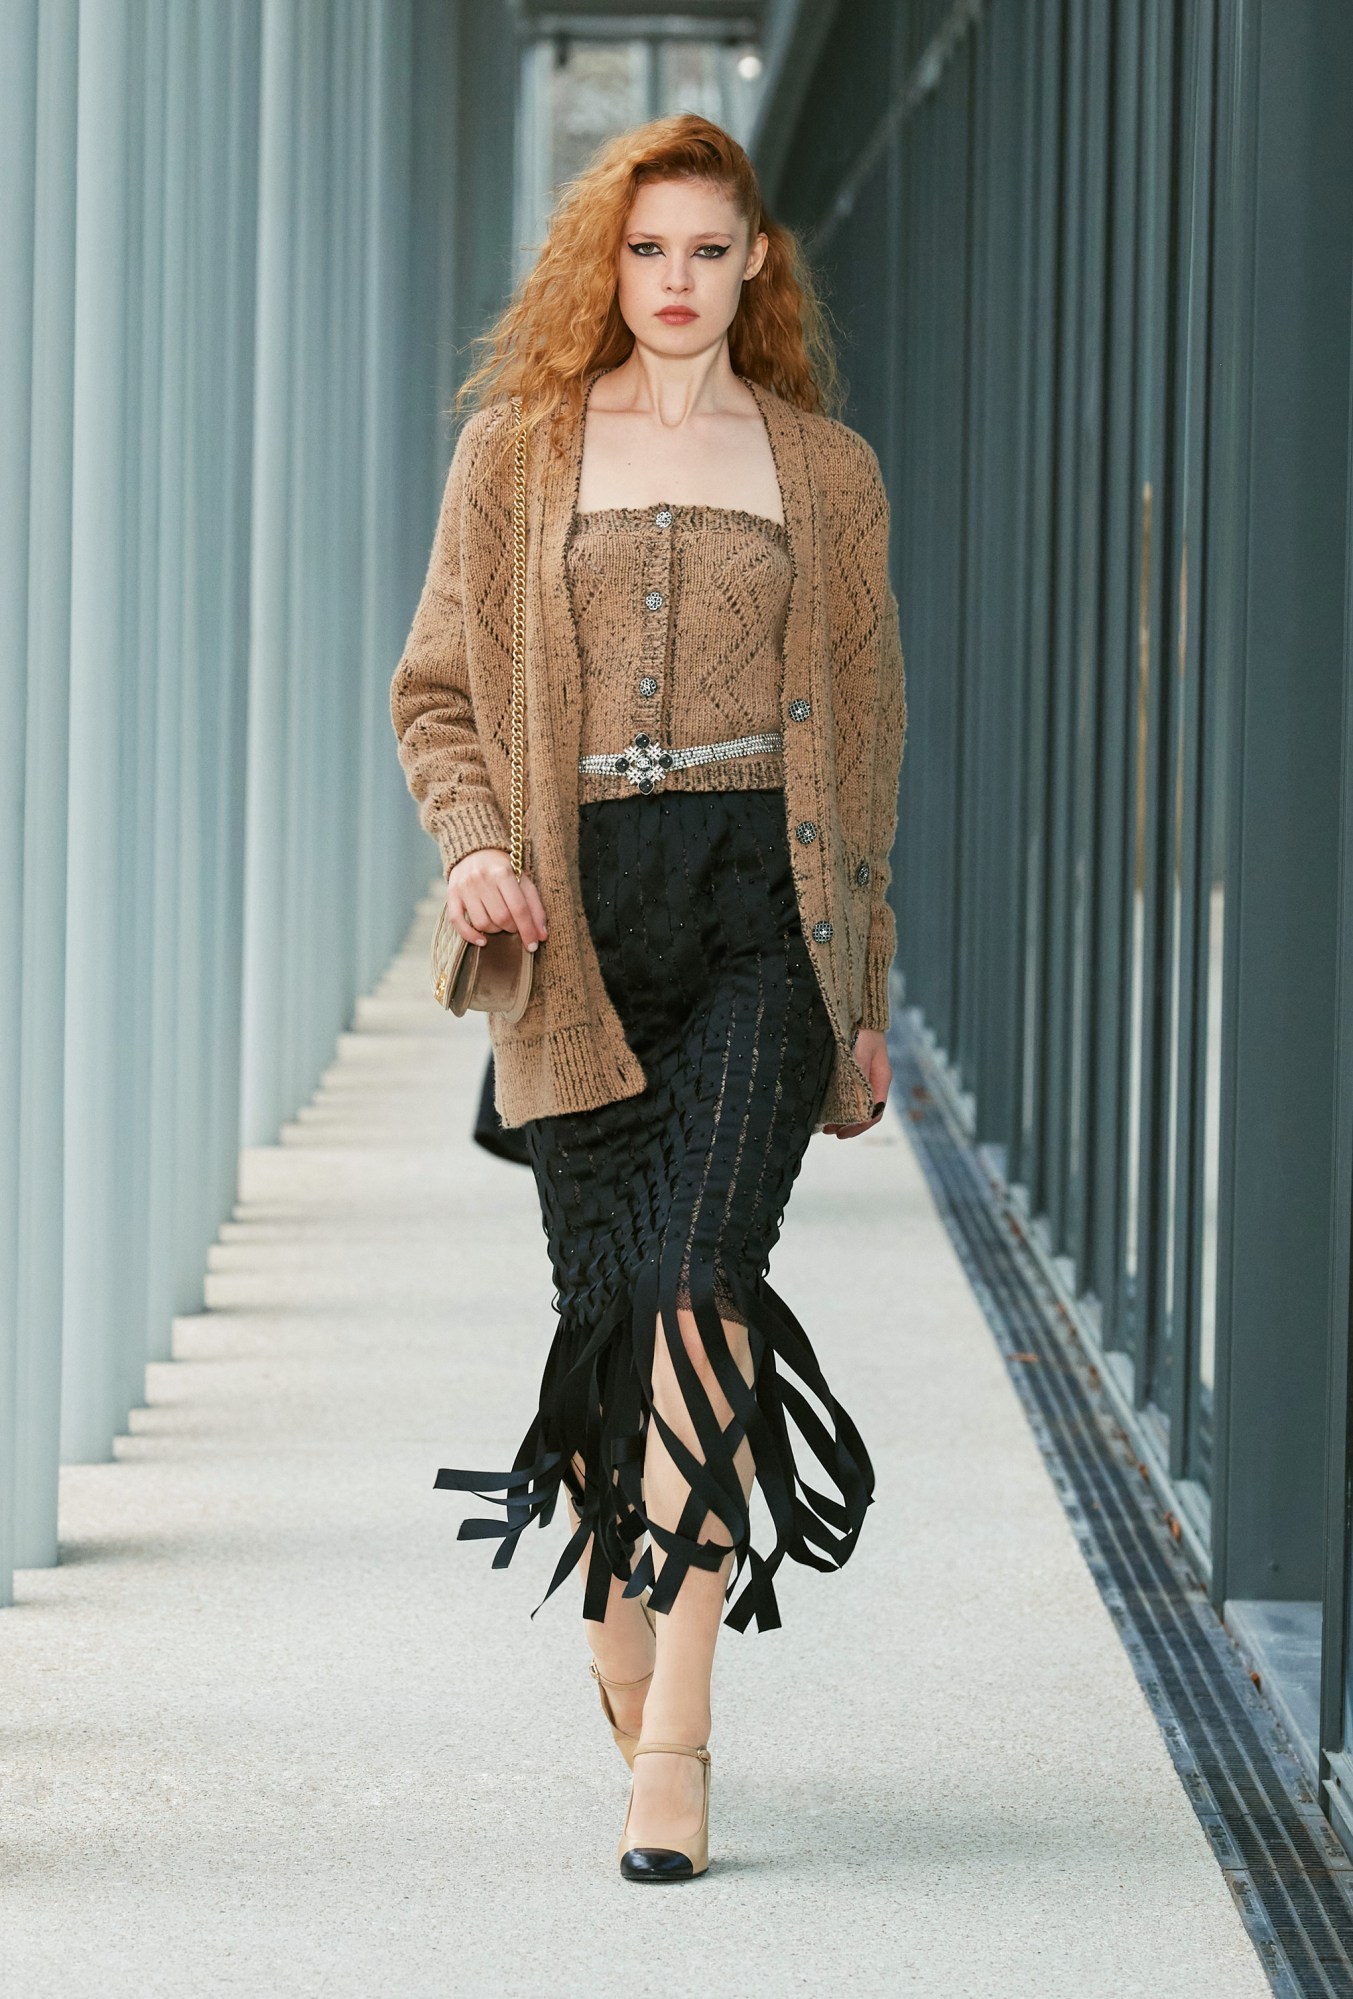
481, 426
845, 451
477, 466
841, 456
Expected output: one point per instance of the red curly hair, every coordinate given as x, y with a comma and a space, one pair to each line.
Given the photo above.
563, 319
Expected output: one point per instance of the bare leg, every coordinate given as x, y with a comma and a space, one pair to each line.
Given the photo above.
668, 1789
622, 1646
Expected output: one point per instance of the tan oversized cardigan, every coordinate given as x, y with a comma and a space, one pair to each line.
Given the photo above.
844, 727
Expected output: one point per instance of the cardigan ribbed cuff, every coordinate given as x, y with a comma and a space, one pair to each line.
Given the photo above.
460, 832
878, 961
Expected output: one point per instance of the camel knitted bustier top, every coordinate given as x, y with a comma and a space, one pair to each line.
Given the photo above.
680, 611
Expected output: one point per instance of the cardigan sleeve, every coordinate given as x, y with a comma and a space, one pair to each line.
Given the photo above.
892, 731
431, 705
882, 687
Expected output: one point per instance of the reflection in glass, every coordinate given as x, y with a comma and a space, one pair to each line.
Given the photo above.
1136, 1022
580, 92
596, 91
1213, 869
1175, 1053
720, 80
1216, 918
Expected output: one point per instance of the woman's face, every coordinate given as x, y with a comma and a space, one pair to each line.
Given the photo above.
684, 253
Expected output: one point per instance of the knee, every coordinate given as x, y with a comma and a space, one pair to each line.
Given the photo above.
735, 1335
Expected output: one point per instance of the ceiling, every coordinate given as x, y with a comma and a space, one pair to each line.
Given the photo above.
740, 18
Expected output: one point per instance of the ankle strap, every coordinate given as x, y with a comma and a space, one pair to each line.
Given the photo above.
597, 1674
671, 1749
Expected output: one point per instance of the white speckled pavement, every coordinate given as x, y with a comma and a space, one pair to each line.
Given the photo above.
269, 1729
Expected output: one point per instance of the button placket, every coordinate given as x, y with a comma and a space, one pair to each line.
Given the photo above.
648, 703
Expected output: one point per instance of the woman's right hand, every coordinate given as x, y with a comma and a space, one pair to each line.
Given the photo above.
483, 894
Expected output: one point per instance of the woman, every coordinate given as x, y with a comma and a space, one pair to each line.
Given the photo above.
715, 718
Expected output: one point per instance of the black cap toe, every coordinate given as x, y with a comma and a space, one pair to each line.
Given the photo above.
655, 1863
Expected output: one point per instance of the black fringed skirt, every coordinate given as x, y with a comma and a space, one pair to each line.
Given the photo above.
675, 1198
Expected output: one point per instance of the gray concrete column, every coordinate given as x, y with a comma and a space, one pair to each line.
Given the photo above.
165, 664
266, 802
230, 48
230, 277
99, 982
42, 950
389, 526
18, 94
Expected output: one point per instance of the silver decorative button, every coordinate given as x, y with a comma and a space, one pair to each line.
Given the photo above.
822, 932
654, 600
863, 873
648, 686
663, 517
799, 709
805, 831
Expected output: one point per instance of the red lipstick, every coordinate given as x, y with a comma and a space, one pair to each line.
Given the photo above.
678, 314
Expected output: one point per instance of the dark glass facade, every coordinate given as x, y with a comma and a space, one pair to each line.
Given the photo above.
1091, 262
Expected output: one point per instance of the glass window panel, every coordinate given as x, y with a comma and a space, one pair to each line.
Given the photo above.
691, 79
1136, 974
596, 91
1216, 761
1214, 934
720, 80
578, 93
1176, 1054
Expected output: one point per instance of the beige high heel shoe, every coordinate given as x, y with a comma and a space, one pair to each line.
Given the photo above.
624, 1741
669, 1863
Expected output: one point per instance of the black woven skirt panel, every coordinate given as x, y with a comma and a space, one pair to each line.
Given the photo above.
674, 1199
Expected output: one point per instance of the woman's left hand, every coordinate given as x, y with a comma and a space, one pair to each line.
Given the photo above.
871, 1058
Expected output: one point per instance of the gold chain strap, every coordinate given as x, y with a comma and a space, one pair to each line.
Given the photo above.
518, 638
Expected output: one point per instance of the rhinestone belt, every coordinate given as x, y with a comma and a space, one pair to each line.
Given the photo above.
645, 763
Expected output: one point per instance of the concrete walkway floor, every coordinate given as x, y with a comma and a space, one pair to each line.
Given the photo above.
269, 1729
